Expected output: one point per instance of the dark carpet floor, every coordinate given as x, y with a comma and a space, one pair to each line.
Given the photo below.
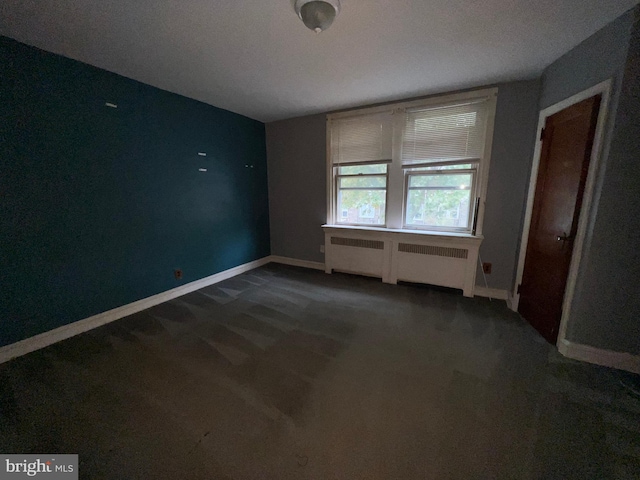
285, 373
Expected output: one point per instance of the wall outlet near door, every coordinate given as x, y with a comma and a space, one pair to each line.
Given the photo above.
486, 267
178, 274
321, 248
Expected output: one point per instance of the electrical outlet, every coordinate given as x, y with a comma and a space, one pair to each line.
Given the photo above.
486, 267
177, 273
321, 248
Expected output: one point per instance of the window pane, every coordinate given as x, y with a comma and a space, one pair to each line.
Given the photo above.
438, 208
461, 181
362, 206
459, 166
359, 182
355, 170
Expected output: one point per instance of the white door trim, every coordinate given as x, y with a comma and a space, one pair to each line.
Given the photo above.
603, 88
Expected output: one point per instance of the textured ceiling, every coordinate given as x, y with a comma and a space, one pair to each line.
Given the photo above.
256, 58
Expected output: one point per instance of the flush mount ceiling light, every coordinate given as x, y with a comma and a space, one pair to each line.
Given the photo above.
317, 15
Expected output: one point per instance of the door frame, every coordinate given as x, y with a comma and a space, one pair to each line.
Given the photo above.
603, 88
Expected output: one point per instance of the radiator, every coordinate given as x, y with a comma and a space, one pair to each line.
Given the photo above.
393, 256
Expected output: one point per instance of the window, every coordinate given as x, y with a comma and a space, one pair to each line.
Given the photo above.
362, 194
416, 165
360, 152
439, 199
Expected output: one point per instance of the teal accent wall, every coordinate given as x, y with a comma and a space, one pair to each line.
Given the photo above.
99, 205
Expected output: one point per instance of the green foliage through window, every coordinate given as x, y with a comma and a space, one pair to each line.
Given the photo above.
439, 200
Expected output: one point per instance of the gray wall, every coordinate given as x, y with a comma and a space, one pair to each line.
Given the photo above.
296, 153
512, 153
606, 306
296, 157
598, 58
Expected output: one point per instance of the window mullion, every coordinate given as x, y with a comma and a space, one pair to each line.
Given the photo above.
395, 194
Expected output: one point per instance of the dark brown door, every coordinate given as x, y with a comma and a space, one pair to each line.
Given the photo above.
564, 163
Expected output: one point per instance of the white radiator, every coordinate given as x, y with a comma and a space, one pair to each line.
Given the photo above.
393, 255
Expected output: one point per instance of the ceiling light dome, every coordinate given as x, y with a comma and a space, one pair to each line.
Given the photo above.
317, 15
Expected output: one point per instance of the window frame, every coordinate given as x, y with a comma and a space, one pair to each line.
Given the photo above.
462, 171
397, 192
336, 178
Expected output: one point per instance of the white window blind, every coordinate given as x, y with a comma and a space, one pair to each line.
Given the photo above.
444, 133
362, 139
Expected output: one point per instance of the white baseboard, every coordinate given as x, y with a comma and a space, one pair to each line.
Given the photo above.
606, 358
496, 293
510, 301
514, 299
586, 353
297, 263
66, 331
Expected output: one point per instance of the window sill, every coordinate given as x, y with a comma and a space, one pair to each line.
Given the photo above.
377, 231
